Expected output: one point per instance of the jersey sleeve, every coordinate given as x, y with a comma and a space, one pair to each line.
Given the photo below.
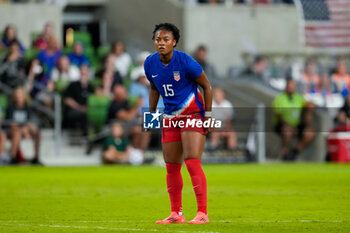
193, 68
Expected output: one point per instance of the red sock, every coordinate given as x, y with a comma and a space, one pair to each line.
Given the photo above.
175, 184
199, 182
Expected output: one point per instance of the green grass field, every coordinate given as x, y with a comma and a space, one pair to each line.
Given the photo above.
241, 198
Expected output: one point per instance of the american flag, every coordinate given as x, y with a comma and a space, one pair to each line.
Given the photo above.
326, 23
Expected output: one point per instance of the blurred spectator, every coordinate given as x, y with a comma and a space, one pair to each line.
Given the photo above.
264, 1
35, 73
109, 76
284, 1
50, 55
123, 59
42, 41
19, 115
142, 57
75, 101
120, 108
12, 67
261, 1
116, 147
65, 71
77, 57
138, 71
211, 1
37, 84
9, 36
3, 157
293, 117
63, 74
324, 86
254, 1
343, 117
223, 111
140, 89
341, 77
259, 69
109, 82
201, 57
140, 85
310, 79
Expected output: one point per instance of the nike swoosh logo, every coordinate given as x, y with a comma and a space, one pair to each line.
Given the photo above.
153, 76
172, 219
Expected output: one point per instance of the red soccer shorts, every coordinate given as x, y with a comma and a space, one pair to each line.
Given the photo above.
173, 127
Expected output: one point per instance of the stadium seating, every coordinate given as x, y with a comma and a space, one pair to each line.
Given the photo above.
102, 51
83, 37
95, 63
67, 50
30, 54
97, 109
34, 36
60, 86
89, 51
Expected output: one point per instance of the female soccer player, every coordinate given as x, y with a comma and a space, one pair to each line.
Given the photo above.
175, 76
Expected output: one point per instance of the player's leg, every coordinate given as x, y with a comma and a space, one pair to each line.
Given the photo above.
3, 139
16, 136
172, 152
306, 135
214, 140
36, 136
193, 147
287, 134
231, 140
140, 139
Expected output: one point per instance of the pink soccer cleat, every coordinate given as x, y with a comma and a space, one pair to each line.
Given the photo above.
173, 218
201, 218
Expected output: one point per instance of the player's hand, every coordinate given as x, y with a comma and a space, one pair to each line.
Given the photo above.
208, 129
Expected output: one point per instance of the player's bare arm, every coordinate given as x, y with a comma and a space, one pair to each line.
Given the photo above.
203, 81
153, 98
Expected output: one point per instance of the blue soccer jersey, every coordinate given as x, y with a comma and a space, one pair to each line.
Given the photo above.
176, 83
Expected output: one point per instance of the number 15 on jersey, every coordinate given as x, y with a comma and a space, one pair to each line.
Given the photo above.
168, 89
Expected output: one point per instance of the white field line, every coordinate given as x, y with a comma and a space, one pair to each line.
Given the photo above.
15, 223
222, 221
280, 221
78, 227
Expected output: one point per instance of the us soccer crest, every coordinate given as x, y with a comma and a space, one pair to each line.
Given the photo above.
177, 76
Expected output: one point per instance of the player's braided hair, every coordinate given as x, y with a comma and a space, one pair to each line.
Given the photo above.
169, 27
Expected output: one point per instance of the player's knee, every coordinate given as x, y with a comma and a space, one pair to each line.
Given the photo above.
309, 134
108, 156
